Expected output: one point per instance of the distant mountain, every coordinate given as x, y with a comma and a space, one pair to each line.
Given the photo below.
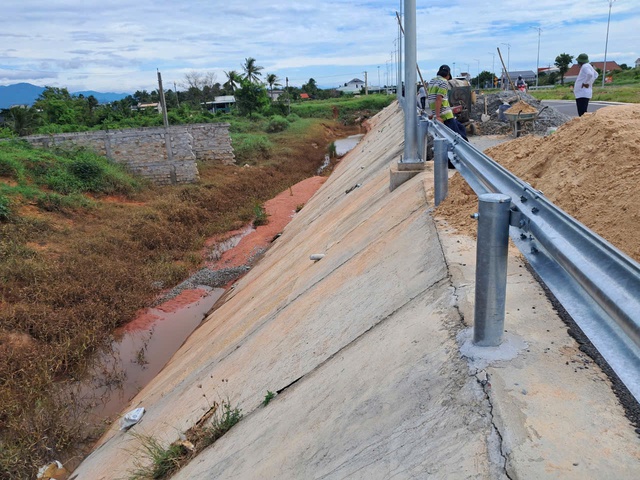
103, 97
19, 94
26, 94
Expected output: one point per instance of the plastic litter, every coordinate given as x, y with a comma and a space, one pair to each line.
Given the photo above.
316, 256
52, 471
131, 418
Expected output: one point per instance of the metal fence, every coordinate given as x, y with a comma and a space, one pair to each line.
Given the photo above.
597, 284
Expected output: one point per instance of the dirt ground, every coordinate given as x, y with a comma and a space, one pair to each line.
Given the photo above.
280, 210
590, 167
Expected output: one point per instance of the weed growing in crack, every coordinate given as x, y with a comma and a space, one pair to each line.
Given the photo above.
268, 397
165, 461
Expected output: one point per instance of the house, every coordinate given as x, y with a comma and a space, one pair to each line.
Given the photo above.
637, 62
275, 94
527, 75
222, 103
548, 70
572, 73
145, 106
352, 87
305, 96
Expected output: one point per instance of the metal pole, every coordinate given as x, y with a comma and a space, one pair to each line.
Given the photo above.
440, 169
538, 60
606, 45
493, 68
491, 268
411, 80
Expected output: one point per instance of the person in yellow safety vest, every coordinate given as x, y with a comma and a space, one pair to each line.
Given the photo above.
438, 96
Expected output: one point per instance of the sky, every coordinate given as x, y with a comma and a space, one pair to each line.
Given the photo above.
120, 45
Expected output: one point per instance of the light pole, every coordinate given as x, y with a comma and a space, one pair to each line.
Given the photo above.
606, 44
378, 78
493, 68
508, 55
538, 60
478, 77
454, 69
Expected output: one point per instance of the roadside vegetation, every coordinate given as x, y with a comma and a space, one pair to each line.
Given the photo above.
85, 245
162, 462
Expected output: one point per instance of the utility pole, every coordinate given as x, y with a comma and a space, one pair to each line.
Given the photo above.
538, 60
288, 96
508, 56
366, 83
167, 137
493, 68
163, 104
379, 79
606, 45
478, 78
175, 89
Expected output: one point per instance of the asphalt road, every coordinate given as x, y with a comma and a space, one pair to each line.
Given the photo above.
568, 107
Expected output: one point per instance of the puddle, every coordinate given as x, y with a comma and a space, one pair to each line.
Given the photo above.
139, 351
345, 145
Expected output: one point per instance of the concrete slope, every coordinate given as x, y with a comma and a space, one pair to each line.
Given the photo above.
363, 348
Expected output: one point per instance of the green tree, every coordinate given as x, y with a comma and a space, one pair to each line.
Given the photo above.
272, 80
252, 72
485, 78
233, 81
23, 121
563, 61
251, 97
310, 87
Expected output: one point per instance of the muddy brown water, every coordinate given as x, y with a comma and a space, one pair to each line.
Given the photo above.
138, 353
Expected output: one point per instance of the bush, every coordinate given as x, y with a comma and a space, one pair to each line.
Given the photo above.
5, 210
277, 124
10, 167
251, 147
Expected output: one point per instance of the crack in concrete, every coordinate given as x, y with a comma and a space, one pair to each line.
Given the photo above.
363, 333
482, 377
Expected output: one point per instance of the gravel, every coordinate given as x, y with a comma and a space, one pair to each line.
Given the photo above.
548, 117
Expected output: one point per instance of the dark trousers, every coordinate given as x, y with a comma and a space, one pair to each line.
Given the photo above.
423, 102
582, 104
457, 127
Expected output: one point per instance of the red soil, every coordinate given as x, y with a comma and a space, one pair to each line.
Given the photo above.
280, 210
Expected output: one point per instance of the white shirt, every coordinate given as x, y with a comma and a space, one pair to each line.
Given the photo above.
588, 75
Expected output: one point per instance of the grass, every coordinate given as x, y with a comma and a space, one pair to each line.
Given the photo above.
84, 246
162, 462
624, 88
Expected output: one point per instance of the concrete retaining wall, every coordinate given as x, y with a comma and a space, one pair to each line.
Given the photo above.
164, 156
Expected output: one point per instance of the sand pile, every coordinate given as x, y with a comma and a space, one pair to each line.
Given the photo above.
548, 117
521, 107
590, 168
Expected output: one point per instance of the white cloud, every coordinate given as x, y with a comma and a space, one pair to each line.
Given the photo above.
118, 45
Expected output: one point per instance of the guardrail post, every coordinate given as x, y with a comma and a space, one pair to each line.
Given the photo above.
440, 169
423, 129
491, 268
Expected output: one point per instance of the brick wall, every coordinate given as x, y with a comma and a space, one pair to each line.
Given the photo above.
164, 156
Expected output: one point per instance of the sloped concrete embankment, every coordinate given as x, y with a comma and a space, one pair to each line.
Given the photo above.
361, 348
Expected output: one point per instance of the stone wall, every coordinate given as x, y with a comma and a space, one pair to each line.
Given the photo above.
164, 156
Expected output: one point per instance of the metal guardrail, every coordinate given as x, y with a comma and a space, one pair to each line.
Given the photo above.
597, 284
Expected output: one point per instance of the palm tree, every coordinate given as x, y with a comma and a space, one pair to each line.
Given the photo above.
233, 80
251, 70
272, 80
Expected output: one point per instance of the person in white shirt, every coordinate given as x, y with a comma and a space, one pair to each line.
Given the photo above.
422, 98
583, 88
